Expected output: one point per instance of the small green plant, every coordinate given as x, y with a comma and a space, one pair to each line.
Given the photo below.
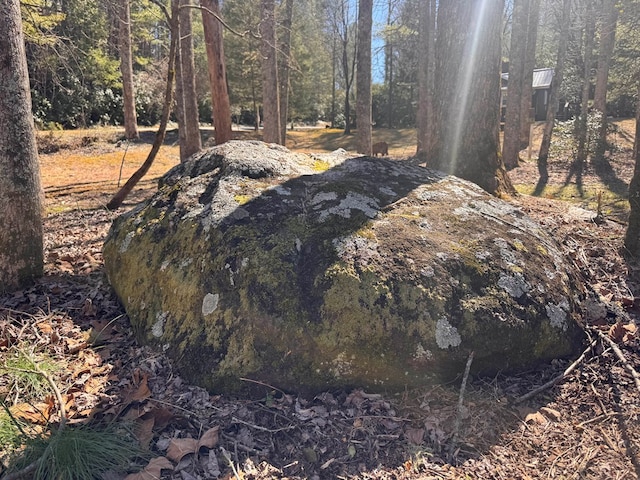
77, 453
23, 368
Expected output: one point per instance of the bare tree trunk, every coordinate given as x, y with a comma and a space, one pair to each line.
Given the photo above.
581, 123
426, 127
632, 236
285, 69
527, 83
126, 68
468, 58
607, 44
21, 235
187, 80
178, 108
556, 83
363, 80
515, 86
270, 94
333, 82
121, 195
388, 56
217, 70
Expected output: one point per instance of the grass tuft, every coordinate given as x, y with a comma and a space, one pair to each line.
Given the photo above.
22, 367
78, 453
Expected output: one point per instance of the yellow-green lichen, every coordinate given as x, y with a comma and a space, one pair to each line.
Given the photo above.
321, 166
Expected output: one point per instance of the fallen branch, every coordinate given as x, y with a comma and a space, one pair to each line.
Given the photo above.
632, 371
555, 380
463, 386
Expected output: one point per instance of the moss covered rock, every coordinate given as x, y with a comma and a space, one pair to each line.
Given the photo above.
310, 273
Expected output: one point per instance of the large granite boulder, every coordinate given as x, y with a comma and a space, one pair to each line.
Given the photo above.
310, 273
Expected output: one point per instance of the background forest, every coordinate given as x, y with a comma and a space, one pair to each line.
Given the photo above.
73, 59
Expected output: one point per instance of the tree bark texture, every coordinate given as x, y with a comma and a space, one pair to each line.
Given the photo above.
554, 97
121, 195
515, 87
21, 233
426, 127
632, 236
126, 68
363, 77
285, 68
270, 94
187, 80
467, 86
530, 63
607, 44
217, 70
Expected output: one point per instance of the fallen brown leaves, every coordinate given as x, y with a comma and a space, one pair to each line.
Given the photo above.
588, 426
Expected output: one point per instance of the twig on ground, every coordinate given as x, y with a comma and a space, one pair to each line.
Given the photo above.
632, 371
463, 386
230, 462
555, 380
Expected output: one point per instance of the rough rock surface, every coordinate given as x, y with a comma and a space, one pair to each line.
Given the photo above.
315, 272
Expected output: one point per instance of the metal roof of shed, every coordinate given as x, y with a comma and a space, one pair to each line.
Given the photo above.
541, 78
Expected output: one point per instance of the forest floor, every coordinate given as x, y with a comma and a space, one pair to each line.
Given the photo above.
587, 426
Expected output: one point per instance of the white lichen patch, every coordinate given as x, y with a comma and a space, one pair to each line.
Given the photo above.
427, 271
342, 365
324, 197
507, 255
387, 191
558, 314
186, 262
515, 285
157, 329
353, 201
483, 255
353, 246
446, 334
280, 190
124, 246
210, 303
421, 353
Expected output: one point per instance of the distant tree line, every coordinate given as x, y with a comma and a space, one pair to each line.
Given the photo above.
74, 58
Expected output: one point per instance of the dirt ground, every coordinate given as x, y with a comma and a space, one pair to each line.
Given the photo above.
587, 426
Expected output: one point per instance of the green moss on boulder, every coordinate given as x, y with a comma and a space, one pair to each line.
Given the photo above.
250, 262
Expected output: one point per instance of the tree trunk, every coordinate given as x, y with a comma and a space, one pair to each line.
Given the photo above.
285, 68
270, 94
187, 79
363, 79
468, 58
632, 237
581, 123
554, 97
348, 78
178, 108
426, 127
333, 82
607, 44
388, 57
515, 86
217, 70
121, 195
527, 83
126, 68
21, 235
